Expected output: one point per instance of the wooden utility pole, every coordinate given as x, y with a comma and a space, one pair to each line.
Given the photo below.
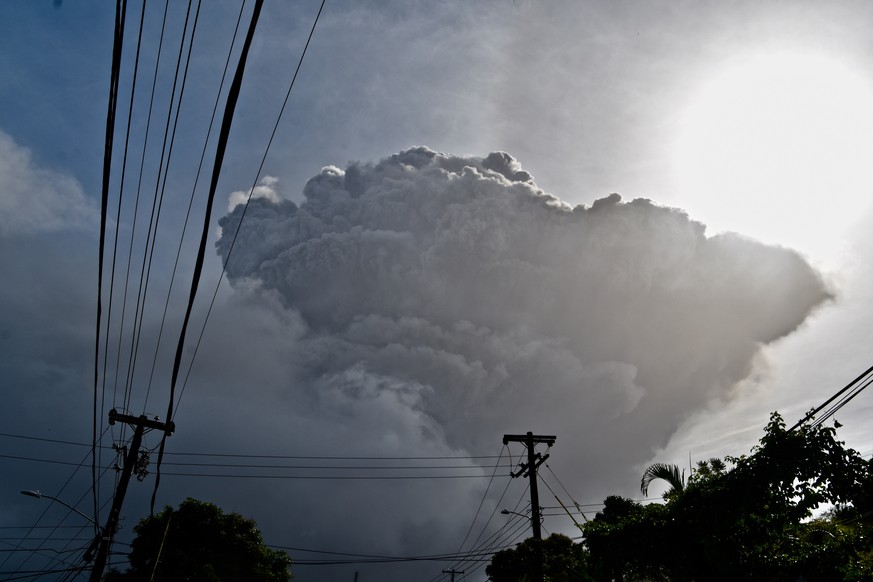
452, 571
131, 460
529, 469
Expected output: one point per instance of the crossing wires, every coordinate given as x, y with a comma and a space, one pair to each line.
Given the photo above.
837, 401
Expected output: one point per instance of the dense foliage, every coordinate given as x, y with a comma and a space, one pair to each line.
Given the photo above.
563, 561
750, 522
200, 543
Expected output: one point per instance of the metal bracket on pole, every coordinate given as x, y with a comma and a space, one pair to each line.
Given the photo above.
131, 461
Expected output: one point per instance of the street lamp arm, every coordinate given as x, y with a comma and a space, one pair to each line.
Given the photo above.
39, 495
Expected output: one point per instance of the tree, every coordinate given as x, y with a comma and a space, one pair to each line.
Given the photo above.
201, 543
749, 522
563, 561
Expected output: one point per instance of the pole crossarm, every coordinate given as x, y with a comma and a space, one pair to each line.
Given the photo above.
168, 427
529, 437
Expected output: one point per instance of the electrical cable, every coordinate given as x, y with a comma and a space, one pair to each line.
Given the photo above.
492, 538
481, 502
576, 503
287, 467
505, 545
224, 133
839, 393
117, 43
566, 511
493, 513
254, 185
329, 477
58, 494
36, 573
160, 50
379, 557
166, 172
157, 203
115, 238
842, 402
194, 187
257, 456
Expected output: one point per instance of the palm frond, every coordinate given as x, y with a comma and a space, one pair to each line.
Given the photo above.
672, 474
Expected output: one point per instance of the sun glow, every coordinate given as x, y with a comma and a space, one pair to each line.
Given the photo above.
780, 148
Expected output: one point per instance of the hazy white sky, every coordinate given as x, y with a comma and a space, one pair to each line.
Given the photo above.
408, 307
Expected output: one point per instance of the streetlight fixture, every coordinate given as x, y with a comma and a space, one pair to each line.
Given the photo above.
526, 516
89, 553
39, 495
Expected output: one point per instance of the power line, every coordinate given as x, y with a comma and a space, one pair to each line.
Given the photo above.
45, 511
380, 557
163, 184
863, 380
492, 539
331, 477
286, 467
147, 132
118, 41
254, 185
115, 242
484, 496
157, 204
196, 182
260, 456
224, 134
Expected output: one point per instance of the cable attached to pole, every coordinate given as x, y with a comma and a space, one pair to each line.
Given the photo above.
226, 122
118, 41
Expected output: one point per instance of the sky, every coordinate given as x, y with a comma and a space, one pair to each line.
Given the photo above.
635, 226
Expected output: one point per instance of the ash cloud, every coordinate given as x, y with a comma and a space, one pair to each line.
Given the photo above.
441, 301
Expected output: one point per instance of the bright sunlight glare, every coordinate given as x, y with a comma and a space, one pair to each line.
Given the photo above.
778, 147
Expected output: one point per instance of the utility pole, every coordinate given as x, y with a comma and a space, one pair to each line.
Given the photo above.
131, 462
452, 571
529, 469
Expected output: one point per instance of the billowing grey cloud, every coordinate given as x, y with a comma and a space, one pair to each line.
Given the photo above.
36, 199
435, 302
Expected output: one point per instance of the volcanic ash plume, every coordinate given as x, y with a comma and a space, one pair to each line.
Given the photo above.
451, 297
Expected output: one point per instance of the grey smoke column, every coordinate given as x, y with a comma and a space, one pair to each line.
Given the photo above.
455, 289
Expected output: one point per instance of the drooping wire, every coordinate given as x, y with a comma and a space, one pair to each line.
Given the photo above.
570, 496
81, 528
136, 215
502, 539
117, 44
263, 456
490, 543
845, 399
157, 203
482, 502
58, 494
193, 191
224, 133
839, 393
254, 185
567, 511
115, 244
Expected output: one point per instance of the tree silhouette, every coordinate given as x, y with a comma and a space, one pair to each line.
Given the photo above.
198, 542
